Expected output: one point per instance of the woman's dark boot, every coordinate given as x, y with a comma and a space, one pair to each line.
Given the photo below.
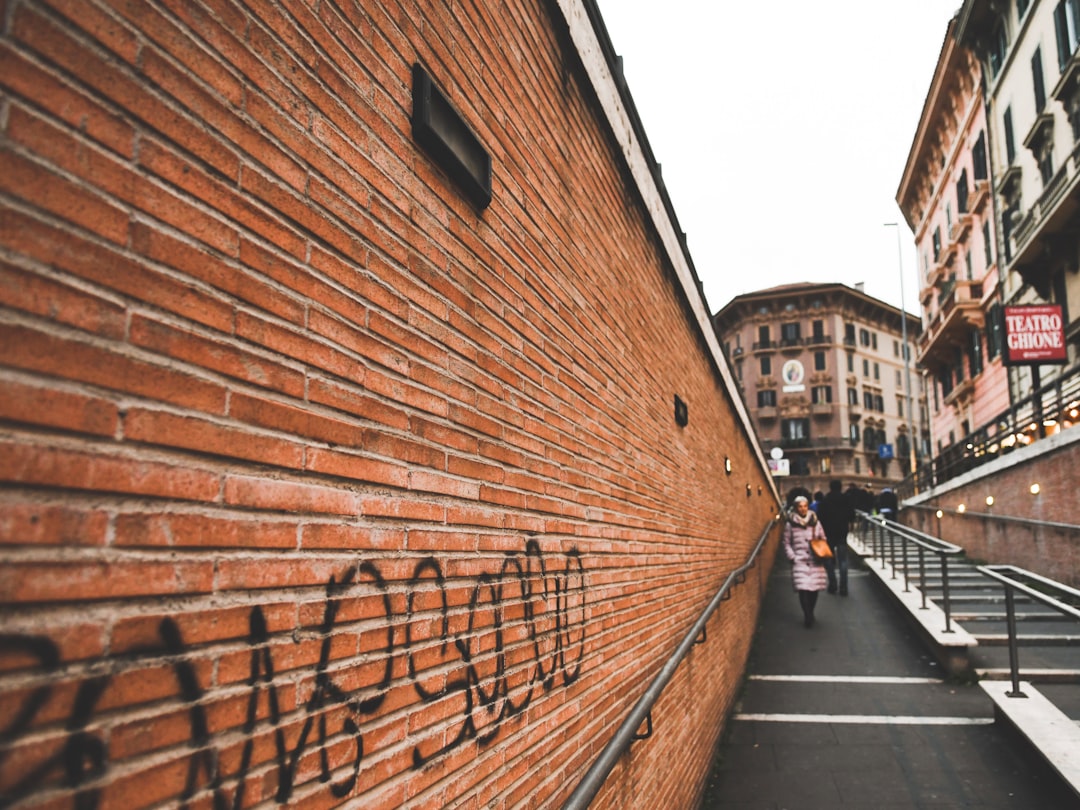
807, 608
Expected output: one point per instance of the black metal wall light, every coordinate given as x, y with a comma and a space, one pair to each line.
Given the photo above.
444, 135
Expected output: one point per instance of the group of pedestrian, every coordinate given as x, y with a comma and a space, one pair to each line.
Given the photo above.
829, 517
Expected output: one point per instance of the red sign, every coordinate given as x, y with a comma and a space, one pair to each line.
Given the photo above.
1034, 334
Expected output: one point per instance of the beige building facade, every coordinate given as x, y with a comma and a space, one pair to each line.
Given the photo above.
823, 374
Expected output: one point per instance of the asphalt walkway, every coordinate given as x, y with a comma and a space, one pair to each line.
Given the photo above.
854, 713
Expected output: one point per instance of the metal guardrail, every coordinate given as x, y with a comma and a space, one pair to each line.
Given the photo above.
1036, 587
884, 532
1055, 403
627, 733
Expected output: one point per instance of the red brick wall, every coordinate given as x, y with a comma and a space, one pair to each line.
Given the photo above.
316, 484
1000, 533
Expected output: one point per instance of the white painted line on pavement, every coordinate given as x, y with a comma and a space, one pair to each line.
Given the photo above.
843, 679
867, 719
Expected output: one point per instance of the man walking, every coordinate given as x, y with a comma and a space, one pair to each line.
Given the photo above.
836, 515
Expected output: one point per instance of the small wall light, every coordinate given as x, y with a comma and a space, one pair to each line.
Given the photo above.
727, 465
749, 491
939, 514
989, 500
1035, 488
961, 509
682, 413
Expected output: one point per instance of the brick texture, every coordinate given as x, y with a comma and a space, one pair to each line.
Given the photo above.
317, 485
1036, 531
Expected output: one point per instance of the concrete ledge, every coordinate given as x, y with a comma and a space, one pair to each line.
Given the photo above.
950, 648
1046, 727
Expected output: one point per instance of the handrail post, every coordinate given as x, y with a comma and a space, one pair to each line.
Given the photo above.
1014, 653
892, 549
906, 564
922, 575
945, 591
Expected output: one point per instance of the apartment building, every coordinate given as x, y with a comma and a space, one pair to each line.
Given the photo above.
823, 375
945, 196
1030, 56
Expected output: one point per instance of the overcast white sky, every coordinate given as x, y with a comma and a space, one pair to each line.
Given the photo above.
782, 130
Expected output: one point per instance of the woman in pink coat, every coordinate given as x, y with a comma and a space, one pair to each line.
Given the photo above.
808, 578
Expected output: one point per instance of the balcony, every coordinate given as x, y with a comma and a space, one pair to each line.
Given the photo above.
769, 412
959, 311
791, 344
980, 194
961, 393
821, 409
959, 230
764, 346
819, 340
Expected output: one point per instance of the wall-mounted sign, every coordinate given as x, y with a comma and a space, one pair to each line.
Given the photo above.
1034, 335
780, 466
885, 451
793, 375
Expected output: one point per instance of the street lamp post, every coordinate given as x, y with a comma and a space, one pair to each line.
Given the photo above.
907, 354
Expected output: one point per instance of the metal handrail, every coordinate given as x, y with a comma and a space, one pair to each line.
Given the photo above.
620, 743
1050, 524
1012, 583
923, 542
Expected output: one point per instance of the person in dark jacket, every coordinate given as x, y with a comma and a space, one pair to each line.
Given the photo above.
836, 514
887, 504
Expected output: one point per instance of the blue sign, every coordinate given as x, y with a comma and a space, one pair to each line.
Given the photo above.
885, 451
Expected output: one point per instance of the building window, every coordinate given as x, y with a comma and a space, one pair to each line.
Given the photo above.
766, 399
1010, 141
879, 403
899, 381
994, 337
795, 431
849, 334
978, 158
738, 370
868, 400
766, 366
853, 432
1037, 81
857, 466
819, 331
900, 407
819, 361
851, 363
789, 334
937, 244
989, 256
999, 46
1045, 159
975, 352
864, 337
962, 193
1067, 29
967, 265
822, 394
865, 367
763, 337
877, 371
852, 396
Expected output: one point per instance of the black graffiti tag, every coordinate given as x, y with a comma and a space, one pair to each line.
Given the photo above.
491, 643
